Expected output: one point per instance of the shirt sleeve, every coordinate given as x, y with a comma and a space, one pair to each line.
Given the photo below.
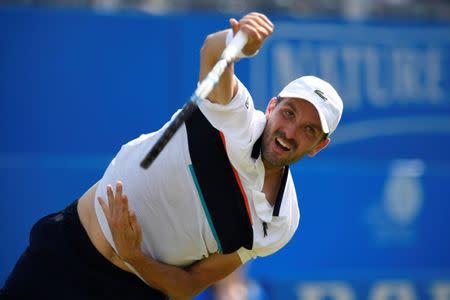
233, 119
245, 254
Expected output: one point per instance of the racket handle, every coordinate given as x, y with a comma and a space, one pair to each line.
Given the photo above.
183, 115
234, 48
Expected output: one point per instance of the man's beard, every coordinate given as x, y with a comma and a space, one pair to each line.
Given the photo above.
273, 159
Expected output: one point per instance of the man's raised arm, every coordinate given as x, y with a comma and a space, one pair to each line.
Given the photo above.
257, 27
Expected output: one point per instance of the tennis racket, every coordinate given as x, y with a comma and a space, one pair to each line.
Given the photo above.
229, 54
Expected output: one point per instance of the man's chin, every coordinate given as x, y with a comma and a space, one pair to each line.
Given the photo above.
274, 162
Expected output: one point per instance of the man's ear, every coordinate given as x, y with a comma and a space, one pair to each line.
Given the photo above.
271, 105
321, 145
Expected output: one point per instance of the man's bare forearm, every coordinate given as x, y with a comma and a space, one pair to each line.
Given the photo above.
211, 50
257, 27
172, 281
181, 283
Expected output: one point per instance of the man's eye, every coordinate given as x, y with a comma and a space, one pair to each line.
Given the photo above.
310, 130
288, 113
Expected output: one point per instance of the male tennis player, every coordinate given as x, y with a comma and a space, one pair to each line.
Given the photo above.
218, 195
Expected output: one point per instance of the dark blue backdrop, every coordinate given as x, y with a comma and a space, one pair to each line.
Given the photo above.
75, 85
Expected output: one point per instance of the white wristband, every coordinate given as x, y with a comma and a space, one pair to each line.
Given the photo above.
228, 41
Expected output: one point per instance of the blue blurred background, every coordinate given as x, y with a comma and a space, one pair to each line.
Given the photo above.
76, 84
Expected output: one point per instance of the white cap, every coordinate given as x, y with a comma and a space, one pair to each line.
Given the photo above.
322, 95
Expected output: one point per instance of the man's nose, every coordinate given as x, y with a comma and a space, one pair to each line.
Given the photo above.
291, 131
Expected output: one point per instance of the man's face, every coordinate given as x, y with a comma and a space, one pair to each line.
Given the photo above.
293, 130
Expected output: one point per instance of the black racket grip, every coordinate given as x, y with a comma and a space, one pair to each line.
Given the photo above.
184, 114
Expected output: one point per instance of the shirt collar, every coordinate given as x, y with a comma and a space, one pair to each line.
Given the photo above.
276, 208
256, 151
261, 204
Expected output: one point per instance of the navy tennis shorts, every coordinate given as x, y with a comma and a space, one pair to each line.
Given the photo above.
62, 263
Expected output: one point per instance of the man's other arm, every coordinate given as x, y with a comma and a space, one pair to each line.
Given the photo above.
181, 284
173, 281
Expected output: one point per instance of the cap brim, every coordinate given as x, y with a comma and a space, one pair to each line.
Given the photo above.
309, 98
323, 121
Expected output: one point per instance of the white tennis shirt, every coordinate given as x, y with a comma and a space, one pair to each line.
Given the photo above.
182, 201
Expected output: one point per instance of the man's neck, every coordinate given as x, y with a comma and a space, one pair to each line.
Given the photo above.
273, 172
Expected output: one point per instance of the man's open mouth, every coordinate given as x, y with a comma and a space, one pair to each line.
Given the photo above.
283, 145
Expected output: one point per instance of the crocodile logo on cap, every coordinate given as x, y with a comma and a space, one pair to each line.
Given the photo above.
321, 95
